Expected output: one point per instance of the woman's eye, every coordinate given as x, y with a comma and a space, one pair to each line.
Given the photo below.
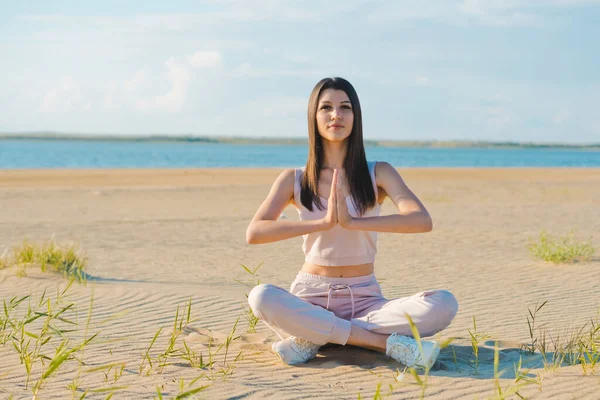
328, 107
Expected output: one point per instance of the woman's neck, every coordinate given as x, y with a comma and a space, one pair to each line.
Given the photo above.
334, 154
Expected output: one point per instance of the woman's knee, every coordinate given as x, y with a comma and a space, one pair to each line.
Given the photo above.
261, 297
445, 306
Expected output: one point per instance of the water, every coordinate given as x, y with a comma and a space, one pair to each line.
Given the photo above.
119, 154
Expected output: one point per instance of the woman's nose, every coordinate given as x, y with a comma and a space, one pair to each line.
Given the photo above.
335, 114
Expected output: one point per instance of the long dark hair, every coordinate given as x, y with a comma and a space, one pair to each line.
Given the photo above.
355, 164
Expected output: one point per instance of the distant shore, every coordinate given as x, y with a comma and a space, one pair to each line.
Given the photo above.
150, 138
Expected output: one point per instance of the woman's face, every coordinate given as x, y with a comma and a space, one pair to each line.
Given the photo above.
335, 116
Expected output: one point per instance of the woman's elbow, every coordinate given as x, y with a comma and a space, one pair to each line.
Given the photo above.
251, 235
426, 224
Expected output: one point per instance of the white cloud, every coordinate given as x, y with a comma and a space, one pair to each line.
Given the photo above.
139, 77
276, 107
273, 116
423, 80
297, 58
205, 59
561, 116
497, 117
174, 100
490, 115
248, 70
67, 96
108, 101
284, 107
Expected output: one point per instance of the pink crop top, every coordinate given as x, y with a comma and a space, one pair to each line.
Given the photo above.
338, 246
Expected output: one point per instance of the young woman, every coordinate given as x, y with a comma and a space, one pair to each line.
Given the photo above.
335, 298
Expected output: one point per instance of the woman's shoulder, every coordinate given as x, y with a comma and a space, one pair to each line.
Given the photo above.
382, 166
287, 175
284, 183
384, 169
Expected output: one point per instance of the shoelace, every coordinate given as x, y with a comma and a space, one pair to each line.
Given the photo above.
304, 347
340, 286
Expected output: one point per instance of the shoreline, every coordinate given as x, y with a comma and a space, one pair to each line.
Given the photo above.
199, 177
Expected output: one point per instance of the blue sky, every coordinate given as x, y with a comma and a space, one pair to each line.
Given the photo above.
495, 70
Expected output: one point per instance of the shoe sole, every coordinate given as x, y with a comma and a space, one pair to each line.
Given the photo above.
433, 359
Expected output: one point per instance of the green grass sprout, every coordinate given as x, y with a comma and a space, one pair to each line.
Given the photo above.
565, 249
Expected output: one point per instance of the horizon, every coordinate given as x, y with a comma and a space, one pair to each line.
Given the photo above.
50, 135
523, 71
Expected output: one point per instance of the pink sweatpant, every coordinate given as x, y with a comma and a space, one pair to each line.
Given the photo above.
322, 309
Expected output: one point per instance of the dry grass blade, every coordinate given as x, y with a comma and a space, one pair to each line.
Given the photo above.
476, 339
62, 356
108, 389
252, 319
421, 382
191, 392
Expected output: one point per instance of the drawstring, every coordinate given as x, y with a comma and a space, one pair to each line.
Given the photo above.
340, 286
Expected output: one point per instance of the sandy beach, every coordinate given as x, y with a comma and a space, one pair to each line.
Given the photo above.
155, 239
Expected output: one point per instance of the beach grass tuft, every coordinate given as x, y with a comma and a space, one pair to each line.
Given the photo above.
32, 327
68, 260
24, 254
566, 249
579, 346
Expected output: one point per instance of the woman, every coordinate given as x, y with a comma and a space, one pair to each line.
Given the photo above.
335, 298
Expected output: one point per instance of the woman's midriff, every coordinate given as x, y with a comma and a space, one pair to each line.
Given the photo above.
348, 271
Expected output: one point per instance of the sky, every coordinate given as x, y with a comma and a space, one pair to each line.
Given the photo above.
493, 70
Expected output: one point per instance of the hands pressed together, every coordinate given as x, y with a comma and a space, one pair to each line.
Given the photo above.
337, 209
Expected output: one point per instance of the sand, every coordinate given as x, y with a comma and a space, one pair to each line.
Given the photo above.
155, 239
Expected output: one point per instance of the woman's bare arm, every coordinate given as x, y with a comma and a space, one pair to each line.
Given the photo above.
265, 227
412, 215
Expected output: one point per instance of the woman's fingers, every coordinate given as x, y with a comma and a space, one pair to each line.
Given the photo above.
333, 195
340, 187
333, 184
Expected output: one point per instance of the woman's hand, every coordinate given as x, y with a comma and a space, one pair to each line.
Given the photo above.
343, 216
331, 218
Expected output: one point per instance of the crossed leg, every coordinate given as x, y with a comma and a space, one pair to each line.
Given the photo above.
287, 314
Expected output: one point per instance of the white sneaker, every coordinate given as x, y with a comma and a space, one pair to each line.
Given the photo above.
405, 349
294, 350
